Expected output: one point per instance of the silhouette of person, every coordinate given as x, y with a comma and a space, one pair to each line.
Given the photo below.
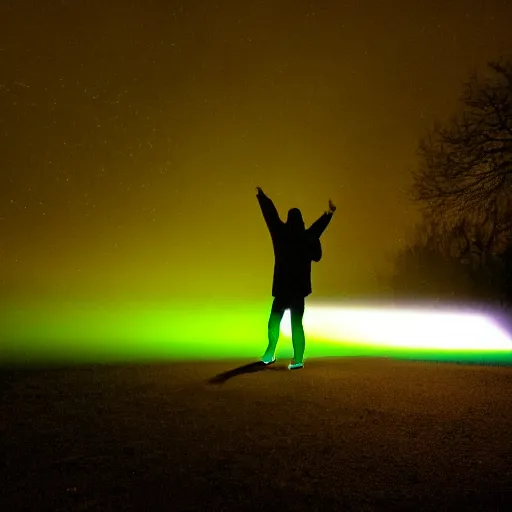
294, 249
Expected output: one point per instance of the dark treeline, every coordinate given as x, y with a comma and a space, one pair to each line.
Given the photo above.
462, 248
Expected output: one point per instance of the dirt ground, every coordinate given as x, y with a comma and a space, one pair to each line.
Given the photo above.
341, 434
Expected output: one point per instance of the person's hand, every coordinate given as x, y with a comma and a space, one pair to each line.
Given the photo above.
332, 208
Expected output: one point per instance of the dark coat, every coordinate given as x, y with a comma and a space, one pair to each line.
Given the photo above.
294, 250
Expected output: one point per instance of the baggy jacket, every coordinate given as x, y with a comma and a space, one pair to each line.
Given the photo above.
294, 250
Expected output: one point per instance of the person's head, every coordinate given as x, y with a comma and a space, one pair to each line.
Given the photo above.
294, 220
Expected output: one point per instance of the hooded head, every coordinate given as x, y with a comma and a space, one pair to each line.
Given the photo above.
294, 221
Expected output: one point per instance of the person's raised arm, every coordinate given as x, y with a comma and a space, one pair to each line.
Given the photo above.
269, 210
318, 227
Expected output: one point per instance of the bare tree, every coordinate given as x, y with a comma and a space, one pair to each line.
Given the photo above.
464, 180
452, 264
424, 266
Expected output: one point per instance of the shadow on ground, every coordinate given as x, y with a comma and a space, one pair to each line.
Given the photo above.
257, 366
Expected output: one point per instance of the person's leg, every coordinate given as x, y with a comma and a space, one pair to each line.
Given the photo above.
298, 338
274, 323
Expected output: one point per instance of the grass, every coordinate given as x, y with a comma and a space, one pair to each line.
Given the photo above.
348, 433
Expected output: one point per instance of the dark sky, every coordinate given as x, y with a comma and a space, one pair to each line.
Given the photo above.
133, 135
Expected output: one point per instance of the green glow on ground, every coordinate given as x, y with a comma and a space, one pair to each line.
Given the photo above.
131, 332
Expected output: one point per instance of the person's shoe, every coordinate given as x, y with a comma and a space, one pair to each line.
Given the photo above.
268, 363
295, 366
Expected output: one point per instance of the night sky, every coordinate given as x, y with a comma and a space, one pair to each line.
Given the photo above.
133, 135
